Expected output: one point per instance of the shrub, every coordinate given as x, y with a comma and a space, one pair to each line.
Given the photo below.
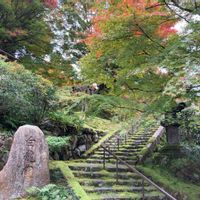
57, 143
24, 97
52, 192
65, 120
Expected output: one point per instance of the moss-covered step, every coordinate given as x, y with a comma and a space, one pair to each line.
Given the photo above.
105, 176
70, 178
106, 181
91, 167
127, 196
132, 160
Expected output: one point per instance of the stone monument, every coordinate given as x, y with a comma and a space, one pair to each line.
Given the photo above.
27, 164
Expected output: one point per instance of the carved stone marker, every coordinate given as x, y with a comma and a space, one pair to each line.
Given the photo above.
27, 164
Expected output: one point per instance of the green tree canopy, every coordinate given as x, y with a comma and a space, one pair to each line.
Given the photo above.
22, 27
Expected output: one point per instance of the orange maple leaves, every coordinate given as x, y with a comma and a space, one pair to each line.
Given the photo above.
128, 8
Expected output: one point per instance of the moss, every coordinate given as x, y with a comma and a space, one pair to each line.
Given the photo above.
122, 195
151, 140
100, 142
131, 195
70, 178
143, 151
168, 181
101, 125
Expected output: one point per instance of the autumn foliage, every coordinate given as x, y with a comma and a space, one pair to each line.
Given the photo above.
51, 3
139, 10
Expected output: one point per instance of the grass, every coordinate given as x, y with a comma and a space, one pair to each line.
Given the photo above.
171, 183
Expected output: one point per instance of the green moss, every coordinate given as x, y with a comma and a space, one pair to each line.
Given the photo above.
143, 151
101, 125
99, 143
122, 195
168, 181
70, 178
151, 140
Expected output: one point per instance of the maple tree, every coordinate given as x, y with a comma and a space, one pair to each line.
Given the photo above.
23, 28
133, 50
123, 40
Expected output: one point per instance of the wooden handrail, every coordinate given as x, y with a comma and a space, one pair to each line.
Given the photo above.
139, 173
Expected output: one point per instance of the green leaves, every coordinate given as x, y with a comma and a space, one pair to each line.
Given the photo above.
57, 143
52, 192
22, 26
24, 97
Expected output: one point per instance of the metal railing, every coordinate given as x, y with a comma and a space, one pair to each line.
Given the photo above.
134, 170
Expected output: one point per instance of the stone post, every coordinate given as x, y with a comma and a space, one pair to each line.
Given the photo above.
172, 134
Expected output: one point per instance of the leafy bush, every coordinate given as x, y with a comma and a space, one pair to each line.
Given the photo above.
186, 169
24, 97
52, 192
64, 119
190, 125
57, 143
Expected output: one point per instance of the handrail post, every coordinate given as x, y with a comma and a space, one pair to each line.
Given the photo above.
109, 155
125, 138
132, 129
118, 143
117, 171
143, 189
104, 159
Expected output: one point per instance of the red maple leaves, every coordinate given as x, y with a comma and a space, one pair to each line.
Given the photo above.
166, 29
51, 3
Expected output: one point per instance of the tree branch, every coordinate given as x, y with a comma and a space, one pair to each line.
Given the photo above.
141, 90
175, 12
141, 29
180, 7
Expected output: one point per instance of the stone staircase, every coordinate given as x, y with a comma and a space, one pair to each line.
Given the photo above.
104, 183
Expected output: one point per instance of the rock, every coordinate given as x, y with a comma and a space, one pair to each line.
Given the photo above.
80, 150
27, 164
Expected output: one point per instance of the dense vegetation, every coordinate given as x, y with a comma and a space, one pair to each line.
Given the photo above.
144, 53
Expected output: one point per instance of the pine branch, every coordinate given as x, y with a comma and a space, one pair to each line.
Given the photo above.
142, 90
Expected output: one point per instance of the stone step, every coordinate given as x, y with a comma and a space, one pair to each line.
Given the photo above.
124, 157
131, 147
97, 182
121, 150
137, 189
138, 140
109, 167
127, 196
107, 175
111, 161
